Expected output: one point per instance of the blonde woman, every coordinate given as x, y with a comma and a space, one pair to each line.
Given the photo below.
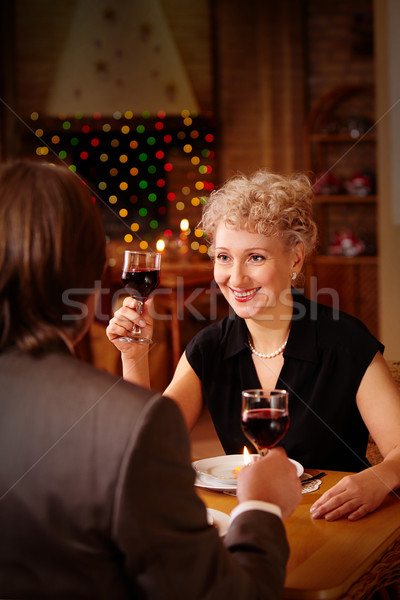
261, 229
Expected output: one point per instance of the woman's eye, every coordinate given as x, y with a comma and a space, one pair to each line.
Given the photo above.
256, 258
222, 257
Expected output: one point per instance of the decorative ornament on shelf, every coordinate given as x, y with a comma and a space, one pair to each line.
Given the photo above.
358, 125
346, 243
361, 184
327, 184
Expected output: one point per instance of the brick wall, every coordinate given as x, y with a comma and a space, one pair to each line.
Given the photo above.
260, 71
41, 30
339, 45
261, 65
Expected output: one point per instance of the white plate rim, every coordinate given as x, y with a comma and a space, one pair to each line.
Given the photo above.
213, 484
201, 466
236, 459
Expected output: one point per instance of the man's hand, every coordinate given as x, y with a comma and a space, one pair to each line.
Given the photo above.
272, 478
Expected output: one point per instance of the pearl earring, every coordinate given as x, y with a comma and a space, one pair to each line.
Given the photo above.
294, 275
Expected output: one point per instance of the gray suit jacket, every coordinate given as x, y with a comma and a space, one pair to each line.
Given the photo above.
97, 498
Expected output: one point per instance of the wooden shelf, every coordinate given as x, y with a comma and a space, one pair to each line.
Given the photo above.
351, 279
335, 259
344, 199
341, 138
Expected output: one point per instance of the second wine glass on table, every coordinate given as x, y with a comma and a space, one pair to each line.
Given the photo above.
140, 277
265, 417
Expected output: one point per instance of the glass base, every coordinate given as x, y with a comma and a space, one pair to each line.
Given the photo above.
135, 340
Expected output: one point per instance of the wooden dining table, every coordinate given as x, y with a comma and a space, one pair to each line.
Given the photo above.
337, 559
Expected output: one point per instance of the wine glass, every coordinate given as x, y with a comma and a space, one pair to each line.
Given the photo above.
140, 276
265, 417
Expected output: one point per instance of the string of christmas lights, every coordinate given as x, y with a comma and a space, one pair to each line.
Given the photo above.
129, 159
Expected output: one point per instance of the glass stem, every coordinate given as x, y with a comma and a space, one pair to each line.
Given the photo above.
139, 309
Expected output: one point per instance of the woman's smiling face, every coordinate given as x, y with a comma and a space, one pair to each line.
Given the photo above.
252, 271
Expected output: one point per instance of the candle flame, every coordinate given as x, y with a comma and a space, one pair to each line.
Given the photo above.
160, 245
184, 225
246, 456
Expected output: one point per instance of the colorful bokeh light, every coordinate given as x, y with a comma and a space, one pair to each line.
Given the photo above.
130, 161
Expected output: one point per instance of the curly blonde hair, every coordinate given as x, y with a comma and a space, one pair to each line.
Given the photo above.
265, 203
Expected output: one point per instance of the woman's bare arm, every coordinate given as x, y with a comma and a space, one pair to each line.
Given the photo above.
355, 496
185, 387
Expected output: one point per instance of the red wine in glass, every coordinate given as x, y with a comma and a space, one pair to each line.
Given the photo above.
265, 426
141, 282
265, 417
140, 277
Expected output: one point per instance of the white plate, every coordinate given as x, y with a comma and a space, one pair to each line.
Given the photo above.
219, 519
210, 483
220, 469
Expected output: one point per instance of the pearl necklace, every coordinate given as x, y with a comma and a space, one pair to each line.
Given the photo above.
270, 354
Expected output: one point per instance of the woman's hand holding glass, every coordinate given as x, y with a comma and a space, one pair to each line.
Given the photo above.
125, 320
140, 277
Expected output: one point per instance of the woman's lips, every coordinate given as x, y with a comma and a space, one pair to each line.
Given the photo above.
244, 295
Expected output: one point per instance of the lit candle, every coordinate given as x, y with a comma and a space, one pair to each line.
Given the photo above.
160, 246
184, 225
246, 461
